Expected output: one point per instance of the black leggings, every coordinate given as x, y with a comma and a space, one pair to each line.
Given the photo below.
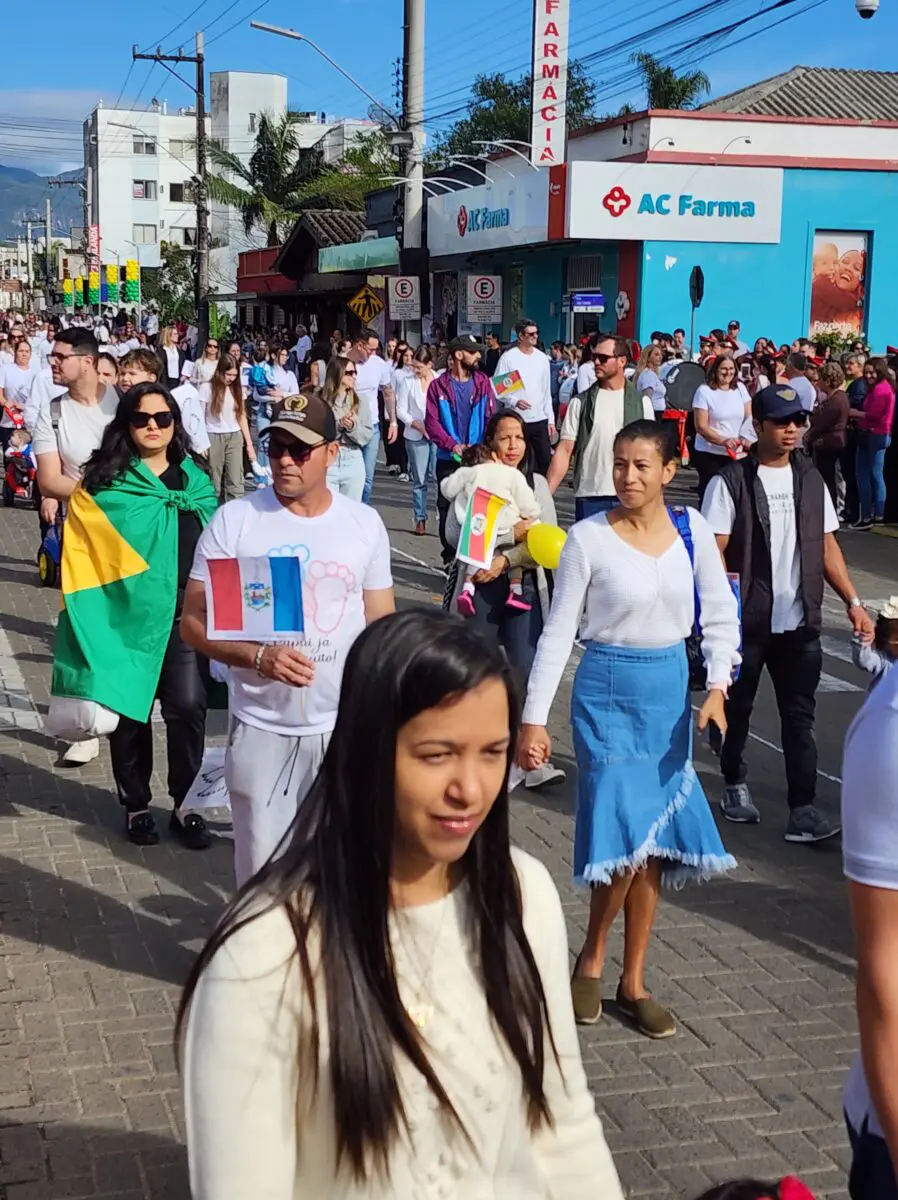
707, 465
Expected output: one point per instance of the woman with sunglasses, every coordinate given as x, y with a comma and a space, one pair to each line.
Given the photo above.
228, 429
162, 501
383, 1011
204, 368
723, 429
354, 424
411, 407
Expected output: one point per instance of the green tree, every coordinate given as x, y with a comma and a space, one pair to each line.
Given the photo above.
170, 287
282, 179
665, 88
500, 111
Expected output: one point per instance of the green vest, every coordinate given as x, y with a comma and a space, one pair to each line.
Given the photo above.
633, 411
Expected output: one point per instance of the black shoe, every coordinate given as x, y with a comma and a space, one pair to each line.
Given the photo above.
193, 832
141, 830
863, 524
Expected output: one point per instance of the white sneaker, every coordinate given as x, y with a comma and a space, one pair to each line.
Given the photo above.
80, 753
544, 776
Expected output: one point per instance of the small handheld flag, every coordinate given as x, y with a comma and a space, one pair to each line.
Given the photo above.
478, 535
508, 387
254, 599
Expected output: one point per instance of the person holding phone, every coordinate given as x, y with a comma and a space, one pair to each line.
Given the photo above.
723, 428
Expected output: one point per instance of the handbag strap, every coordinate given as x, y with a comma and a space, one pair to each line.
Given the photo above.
680, 517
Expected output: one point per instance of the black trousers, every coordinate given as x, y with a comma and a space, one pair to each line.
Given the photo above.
540, 446
707, 465
848, 463
444, 468
794, 661
394, 452
826, 462
182, 693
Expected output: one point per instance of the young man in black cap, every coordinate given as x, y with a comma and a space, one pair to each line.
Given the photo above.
284, 691
775, 525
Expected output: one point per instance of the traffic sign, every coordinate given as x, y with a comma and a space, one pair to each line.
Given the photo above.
696, 287
484, 299
405, 297
366, 304
587, 302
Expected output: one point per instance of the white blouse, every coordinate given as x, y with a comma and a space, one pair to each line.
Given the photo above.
226, 421
255, 1129
633, 599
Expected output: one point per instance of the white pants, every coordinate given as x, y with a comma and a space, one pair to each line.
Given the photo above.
268, 776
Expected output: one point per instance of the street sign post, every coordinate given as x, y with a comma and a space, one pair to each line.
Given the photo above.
404, 292
696, 295
366, 304
484, 295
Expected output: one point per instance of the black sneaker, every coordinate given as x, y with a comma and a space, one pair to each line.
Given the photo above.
192, 831
808, 824
863, 524
140, 829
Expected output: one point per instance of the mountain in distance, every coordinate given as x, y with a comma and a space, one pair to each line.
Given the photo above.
22, 195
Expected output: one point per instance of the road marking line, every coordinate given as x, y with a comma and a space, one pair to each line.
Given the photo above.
17, 709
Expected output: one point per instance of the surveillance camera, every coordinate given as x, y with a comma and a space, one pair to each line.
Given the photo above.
867, 8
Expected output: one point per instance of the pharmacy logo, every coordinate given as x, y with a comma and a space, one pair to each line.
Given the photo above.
617, 201
462, 221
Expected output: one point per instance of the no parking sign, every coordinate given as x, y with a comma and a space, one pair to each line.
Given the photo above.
485, 299
405, 298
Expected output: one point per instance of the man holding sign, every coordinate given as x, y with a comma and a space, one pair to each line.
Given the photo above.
284, 581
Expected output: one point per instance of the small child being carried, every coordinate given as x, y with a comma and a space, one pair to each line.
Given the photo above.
879, 657
482, 469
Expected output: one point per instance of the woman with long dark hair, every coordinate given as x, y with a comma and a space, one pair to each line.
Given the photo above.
158, 500
874, 437
383, 1011
228, 428
354, 426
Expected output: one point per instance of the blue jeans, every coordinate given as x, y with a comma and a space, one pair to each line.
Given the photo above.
263, 420
588, 506
422, 458
347, 475
871, 484
369, 453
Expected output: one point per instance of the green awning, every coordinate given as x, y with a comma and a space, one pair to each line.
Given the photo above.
359, 256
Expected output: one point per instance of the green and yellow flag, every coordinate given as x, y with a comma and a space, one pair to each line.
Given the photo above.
120, 586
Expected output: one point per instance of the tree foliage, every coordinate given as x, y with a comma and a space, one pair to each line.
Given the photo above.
282, 179
665, 88
170, 287
500, 111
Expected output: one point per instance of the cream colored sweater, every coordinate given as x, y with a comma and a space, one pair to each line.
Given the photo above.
254, 1131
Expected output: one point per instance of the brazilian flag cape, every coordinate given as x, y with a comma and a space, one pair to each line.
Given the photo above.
120, 586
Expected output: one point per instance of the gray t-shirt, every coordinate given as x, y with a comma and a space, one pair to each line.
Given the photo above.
870, 832
79, 432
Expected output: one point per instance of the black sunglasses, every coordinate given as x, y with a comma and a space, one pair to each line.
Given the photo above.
163, 419
603, 358
300, 452
799, 420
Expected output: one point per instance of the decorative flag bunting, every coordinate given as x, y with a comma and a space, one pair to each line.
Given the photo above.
478, 535
254, 599
506, 386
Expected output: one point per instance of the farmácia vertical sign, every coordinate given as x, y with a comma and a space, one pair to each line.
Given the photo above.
548, 104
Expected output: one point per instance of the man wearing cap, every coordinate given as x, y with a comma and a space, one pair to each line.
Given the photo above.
534, 403
734, 334
796, 375
775, 525
283, 693
459, 405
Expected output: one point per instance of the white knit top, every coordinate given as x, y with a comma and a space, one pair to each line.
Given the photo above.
633, 599
254, 1129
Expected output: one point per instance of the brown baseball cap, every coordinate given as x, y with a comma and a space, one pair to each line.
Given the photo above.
307, 417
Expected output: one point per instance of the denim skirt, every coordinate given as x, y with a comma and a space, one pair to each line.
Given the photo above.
639, 796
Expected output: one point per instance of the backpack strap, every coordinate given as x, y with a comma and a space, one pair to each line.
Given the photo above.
680, 516
55, 413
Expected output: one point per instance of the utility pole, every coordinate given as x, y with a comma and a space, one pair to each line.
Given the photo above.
29, 273
48, 248
414, 124
201, 273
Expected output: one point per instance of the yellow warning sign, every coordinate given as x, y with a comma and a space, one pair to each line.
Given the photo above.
366, 304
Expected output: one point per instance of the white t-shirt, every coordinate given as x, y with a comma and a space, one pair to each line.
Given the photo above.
80, 431
226, 421
284, 380
596, 477
805, 391
537, 378
586, 376
785, 560
649, 381
343, 553
172, 362
726, 414
202, 371
16, 383
371, 376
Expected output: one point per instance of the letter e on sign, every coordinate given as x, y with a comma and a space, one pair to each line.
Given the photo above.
404, 293
548, 124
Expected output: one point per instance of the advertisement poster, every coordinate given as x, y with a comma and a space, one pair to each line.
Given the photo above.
838, 277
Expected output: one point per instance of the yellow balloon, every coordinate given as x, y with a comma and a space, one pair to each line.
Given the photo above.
545, 543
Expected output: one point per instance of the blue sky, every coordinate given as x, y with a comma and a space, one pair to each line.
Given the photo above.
46, 93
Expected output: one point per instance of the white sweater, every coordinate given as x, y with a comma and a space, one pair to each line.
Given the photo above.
633, 599
254, 1130
508, 483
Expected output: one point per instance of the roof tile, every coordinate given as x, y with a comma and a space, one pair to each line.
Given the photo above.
822, 92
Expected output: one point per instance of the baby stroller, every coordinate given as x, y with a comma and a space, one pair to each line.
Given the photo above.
19, 468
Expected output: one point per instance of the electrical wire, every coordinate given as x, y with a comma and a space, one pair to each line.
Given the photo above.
239, 21
174, 29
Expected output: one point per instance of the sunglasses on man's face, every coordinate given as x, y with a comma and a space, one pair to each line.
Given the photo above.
531, 333
298, 451
163, 419
602, 358
799, 421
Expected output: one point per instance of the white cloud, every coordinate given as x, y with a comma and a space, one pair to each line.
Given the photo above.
41, 128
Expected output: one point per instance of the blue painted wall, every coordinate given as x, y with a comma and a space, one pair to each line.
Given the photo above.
545, 273
768, 287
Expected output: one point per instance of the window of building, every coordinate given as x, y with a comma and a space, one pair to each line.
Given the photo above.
180, 193
144, 145
188, 236
143, 235
143, 189
252, 122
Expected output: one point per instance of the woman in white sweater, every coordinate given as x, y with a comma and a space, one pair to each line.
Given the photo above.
641, 813
383, 1012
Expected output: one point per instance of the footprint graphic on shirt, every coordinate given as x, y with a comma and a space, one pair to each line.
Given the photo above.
327, 588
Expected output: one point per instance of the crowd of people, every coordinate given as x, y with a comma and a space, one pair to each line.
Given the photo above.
390, 988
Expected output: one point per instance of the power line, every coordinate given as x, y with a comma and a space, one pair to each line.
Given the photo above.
239, 21
174, 29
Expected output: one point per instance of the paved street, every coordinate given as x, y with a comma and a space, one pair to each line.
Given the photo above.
97, 936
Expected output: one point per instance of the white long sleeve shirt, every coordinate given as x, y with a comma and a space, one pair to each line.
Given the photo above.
255, 1127
537, 378
633, 599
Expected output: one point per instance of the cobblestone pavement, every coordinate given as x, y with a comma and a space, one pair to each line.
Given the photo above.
96, 937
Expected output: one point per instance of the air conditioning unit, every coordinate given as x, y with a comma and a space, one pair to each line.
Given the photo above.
369, 235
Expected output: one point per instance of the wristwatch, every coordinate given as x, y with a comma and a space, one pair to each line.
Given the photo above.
854, 602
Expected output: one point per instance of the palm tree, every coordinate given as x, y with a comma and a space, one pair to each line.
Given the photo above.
666, 89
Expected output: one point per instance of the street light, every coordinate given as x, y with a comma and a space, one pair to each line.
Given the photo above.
509, 145
732, 142
480, 158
